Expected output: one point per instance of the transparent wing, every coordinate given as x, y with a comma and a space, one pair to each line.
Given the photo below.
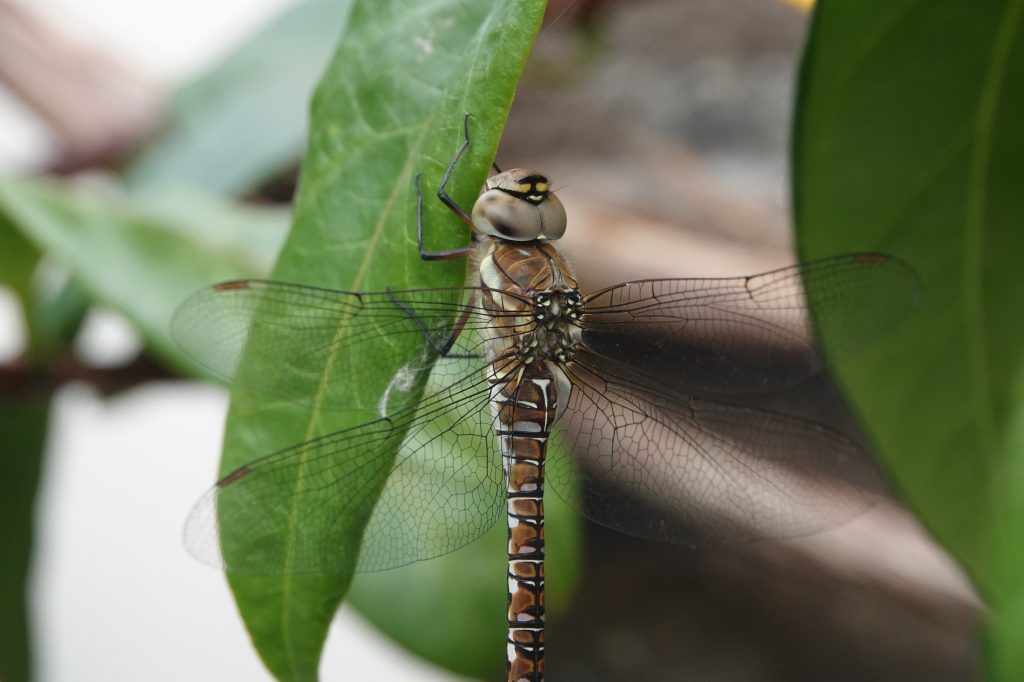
749, 333
694, 471
295, 511
288, 333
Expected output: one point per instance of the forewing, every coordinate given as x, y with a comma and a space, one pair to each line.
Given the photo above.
290, 334
443, 490
749, 333
694, 471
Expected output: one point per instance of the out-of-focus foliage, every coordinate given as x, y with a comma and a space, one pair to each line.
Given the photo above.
909, 140
142, 259
240, 124
17, 259
23, 421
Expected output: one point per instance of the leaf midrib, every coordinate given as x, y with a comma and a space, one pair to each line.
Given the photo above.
325, 376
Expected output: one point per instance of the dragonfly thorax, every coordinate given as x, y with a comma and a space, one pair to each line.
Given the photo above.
555, 333
557, 306
518, 205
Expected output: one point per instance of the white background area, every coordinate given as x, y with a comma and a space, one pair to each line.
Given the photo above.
115, 596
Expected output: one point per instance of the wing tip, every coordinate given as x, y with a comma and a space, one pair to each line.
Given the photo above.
232, 284
234, 476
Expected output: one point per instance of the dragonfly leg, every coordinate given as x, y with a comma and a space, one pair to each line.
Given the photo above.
448, 254
442, 348
442, 194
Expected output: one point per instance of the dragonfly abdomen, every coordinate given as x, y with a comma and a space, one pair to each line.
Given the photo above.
525, 407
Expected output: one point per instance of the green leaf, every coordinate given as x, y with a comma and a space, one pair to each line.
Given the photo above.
54, 318
909, 140
390, 105
244, 122
24, 417
18, 259
142, 260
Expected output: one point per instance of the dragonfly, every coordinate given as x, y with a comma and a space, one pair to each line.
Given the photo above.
631, 385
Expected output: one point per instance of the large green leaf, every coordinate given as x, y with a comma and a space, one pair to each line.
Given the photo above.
244, 122
909, 140
142, 260
390, 105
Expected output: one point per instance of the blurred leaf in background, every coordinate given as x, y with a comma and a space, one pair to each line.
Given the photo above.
18, 259
24, 417
244, 122
909, 140
143, 258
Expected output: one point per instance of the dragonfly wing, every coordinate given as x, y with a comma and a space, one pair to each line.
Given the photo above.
694, 471
447, 487
298, 510
291, 336
753, 333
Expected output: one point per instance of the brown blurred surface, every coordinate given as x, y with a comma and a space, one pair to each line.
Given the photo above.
665, 125
762, 612
666, 129
97, 107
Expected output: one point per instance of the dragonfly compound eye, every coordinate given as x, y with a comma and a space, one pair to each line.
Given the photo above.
501, 215
517, 205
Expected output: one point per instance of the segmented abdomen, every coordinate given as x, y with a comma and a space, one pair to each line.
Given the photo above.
525, 407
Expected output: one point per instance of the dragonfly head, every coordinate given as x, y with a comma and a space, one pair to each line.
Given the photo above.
518, 205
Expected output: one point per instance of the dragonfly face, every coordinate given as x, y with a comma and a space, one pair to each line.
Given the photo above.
518, 205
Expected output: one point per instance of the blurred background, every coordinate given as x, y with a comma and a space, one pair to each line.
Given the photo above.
678, 168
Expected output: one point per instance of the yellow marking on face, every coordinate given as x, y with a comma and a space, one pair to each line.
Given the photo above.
542, 187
